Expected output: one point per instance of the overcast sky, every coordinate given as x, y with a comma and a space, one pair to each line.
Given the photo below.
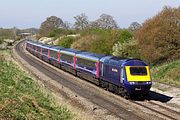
31, 13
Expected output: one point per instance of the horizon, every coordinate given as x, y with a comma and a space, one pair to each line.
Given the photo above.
30, 14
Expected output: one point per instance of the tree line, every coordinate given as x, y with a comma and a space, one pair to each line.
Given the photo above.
82, 22
155, 41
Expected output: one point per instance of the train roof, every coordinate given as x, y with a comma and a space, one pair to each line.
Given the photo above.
89, 55
113, 60
46, 46
51, 47
56, 48
70, 51
34, 43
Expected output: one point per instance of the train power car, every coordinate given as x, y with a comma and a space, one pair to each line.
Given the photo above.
124, 76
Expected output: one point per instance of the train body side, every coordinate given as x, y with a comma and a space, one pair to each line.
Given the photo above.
117, 73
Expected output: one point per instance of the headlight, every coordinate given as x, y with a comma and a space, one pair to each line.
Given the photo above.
131, 83
148, 82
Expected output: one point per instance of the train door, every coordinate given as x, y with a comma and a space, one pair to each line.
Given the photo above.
102, 69
122, 74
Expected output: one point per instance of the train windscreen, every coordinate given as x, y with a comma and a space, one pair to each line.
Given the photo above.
138, 70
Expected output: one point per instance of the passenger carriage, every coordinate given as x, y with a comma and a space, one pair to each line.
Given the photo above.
55, 56
87, 66
68, 60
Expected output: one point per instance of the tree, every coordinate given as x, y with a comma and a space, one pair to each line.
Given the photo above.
66, 25
94, 24
50, 24
106, 22
81, 21
134, 26
125, 36
127, 49
159, 37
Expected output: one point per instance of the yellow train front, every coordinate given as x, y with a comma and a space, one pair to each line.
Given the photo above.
137, 80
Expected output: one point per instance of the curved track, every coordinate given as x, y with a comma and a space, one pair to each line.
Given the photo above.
98, 99
112, 107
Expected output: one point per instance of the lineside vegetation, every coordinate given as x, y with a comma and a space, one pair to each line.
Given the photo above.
23, 98
156, 41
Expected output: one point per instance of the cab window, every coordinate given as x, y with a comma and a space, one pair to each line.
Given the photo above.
138, 71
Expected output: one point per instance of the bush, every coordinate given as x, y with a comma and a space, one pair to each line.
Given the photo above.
6, 34
84, 43
158, 38
60, 32
66, 41
125, 36
127, 49
97, 40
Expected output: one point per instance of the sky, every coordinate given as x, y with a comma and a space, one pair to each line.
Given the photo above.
31, 13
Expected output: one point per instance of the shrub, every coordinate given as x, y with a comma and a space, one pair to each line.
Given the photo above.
125, 36
66, 41
158, 38
97, 40
84, 43
6, 34
60, 32
127, 49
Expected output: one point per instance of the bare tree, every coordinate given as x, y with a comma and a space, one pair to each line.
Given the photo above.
134, 26
106, 22
94, 24
81, 21
50, 24
66, 25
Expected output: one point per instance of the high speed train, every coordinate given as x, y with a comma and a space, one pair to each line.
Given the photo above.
124, 76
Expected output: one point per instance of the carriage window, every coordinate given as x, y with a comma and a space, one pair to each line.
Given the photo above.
38, 49
86, 63
68, 58
138, 71
45, 51
54, 54
34, 47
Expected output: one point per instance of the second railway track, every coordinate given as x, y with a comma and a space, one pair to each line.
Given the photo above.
162, 110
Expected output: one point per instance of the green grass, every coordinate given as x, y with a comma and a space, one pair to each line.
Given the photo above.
167, 73
22, 98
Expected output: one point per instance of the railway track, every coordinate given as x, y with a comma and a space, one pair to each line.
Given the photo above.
113, 107
159, 109
97, 99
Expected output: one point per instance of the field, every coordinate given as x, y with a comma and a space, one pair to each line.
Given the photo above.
21, 97
168, 73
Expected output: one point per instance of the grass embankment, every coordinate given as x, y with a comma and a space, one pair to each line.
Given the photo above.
23, 98
167, 73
